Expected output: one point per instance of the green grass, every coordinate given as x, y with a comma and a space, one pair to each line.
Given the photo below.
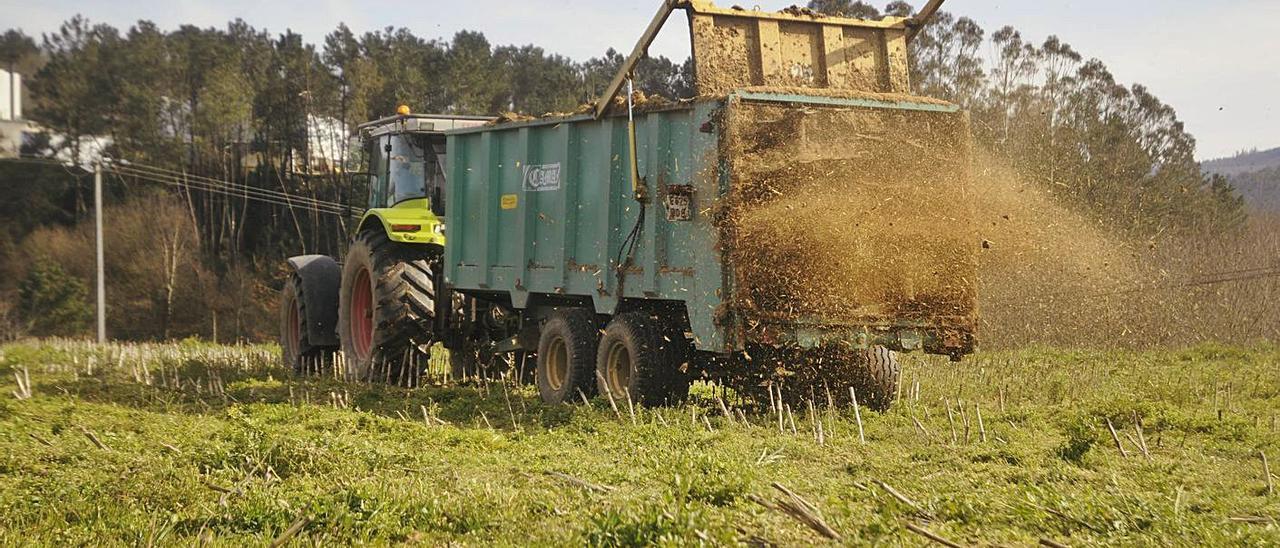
240, 466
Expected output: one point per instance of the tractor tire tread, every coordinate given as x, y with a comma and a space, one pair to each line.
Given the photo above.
405, 306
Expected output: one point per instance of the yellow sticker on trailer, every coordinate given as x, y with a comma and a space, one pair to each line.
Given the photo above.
509, 201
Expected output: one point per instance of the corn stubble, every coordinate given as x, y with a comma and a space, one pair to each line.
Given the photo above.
222, 445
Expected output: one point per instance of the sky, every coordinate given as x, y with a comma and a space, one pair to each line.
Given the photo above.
1217, 63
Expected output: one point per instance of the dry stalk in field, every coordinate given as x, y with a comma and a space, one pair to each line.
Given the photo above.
779, 407
813, 422
982, 429
1252, 519
1266, 471
1116, 439
1142, 438
24, 384
93, 438
857, 415
930, 535
510, 408
289, 533
951, 419
799, 509
725, 410
903, 499
631, 408
923, 430
609, 394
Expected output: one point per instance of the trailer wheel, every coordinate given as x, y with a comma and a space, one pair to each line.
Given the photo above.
297, 352
566, 356
386, 307
877, 376
637, 359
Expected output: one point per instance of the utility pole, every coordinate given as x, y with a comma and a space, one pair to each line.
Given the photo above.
102, 286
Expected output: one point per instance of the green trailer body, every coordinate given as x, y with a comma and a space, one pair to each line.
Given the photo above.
543, 213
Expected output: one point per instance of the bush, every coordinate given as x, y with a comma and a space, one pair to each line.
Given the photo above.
10, 326
53, 302
1082, 433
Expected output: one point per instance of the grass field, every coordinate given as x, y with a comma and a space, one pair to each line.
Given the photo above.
189, 443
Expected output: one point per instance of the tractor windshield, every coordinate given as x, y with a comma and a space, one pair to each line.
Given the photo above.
408, 168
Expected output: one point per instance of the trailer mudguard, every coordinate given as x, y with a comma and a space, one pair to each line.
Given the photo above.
321, 280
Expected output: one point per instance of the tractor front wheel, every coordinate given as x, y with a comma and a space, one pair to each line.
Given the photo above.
386, 306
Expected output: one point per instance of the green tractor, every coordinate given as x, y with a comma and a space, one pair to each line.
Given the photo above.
384, 303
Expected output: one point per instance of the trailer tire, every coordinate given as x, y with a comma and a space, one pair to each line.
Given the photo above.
637, 358
566, 356
297, 351
386, 306
877, 376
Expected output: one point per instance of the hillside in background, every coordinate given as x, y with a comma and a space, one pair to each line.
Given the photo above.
1244, 162
1254, 174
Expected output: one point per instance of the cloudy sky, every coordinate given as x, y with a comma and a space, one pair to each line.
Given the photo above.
1217, 62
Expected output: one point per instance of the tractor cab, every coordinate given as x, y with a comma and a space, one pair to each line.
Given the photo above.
406, 167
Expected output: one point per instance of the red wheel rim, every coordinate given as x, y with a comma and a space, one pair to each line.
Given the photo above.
362, 314
295, 331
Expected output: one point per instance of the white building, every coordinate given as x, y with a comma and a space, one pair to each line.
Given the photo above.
10, 95
12, 123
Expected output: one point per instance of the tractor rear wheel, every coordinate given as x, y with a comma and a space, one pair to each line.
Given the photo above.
386, 306
298, 353
566, 356
636, 361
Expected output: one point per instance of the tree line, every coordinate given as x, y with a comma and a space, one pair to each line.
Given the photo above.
241, 105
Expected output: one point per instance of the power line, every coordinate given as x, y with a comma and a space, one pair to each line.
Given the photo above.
247, 193
226, 192
184, 175
211, 185
295, 204
175, 175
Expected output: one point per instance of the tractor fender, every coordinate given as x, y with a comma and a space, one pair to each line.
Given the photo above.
321, 280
